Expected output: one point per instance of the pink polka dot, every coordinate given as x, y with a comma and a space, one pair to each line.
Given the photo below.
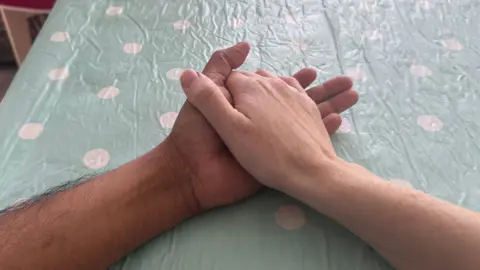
452, 44
345, 127
238, 23
401, 182
58, 74
426, 4
356, 73
299, 46
373, 35
181, 25
113, 10
30, 131
430, 123
132, 48
175, 73
96, 158
290, 217
108, 92
420, 71
368, 5
168, 119
290, 19
59, 37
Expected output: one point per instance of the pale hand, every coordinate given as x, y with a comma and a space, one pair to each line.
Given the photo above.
273, 129
216, 177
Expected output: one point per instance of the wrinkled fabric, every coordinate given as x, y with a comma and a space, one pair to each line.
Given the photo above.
100, 87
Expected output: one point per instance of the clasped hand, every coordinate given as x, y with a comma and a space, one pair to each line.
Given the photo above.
271, 126
214, 173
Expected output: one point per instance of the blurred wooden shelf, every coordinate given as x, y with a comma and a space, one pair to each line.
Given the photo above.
18, 23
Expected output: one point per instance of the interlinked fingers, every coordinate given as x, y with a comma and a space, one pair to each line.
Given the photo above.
305, 76
293, 83
265, 73
224, 61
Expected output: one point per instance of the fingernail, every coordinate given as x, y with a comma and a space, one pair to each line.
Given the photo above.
188, 77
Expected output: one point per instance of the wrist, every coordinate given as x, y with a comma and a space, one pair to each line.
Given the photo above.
169, 164
310, 182
326, 187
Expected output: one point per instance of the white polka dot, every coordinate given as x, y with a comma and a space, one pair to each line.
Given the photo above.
168, 119
175, 73
238, 23
426, 4
452, 44
132, 48
113, 10
290, 217
108, 92
373, 34
59, 37
345, 127
181, 25
290, 19
58, 74
30, 131
420, 71
430, 123
402, 182
96, 158
355, 73
368, 5
299, 46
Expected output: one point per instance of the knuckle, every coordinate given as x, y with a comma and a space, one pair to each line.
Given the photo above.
226, 56
277, 82
261, 71
203, 94
216, 76
233, 79
290, 80
219, 54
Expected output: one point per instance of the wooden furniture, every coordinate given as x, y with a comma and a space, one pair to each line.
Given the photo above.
15, 15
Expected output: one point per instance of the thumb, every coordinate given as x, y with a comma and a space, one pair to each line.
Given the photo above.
208, 98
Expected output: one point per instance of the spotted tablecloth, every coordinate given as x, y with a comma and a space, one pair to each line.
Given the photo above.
100, 87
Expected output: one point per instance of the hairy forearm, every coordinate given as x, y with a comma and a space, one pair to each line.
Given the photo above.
409, 228
96, 223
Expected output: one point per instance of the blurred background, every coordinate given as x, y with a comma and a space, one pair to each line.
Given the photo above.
21, 21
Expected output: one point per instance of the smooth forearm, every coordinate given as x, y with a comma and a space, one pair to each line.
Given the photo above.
98, 222
409, 228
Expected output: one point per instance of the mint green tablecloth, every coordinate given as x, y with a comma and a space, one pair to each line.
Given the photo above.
100, 87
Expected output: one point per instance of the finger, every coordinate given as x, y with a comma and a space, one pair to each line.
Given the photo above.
338, 103
330, 88
305, 76
293, 83
208, 98
241, 82
246, 73
332, 122
289, 80
222, 62
265, 73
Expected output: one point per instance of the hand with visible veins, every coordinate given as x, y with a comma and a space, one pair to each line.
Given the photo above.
216, 177
292, 153
92, 224
275, 149
276, 131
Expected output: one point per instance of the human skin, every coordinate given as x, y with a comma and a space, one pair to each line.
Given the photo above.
91, 225
292, 152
